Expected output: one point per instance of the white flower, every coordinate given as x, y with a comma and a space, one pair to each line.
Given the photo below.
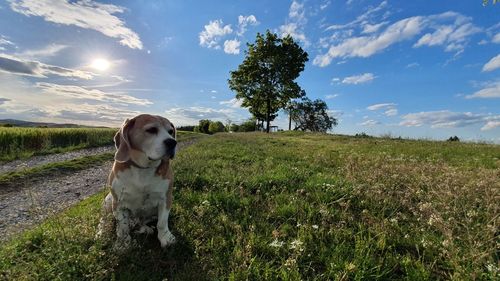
315, 226
276, 243
296, 244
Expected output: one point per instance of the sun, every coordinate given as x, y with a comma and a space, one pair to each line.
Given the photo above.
100, 64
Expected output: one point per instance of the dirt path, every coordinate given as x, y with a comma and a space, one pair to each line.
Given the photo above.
45, 159
21, 209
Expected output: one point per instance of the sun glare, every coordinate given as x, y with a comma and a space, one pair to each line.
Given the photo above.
100, 64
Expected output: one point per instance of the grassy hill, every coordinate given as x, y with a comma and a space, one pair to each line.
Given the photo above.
296, 206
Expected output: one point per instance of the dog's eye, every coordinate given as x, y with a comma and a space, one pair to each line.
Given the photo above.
152, 130
170, 132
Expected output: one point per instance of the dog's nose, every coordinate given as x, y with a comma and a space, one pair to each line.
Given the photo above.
170, 143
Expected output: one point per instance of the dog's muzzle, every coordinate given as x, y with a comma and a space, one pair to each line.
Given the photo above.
170, 144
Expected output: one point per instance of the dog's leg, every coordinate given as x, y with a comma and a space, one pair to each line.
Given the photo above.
123, 238
106, 222
164, 235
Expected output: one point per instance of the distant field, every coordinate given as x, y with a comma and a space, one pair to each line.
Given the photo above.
25, 142
296, 206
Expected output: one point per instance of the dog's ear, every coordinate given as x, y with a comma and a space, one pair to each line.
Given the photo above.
175, 130
122, 142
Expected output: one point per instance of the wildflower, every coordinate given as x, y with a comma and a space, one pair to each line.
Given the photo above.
276, 243
315, 226
296, 244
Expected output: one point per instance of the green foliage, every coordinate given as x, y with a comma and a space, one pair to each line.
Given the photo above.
247, 126
264, 81
203, 126
453, 139
186, 128
311, 115
25, 142
215, 127
295, 206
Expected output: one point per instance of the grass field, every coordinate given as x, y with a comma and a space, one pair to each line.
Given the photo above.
25, 142
295, 206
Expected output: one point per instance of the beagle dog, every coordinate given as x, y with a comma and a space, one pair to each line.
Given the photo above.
141, 180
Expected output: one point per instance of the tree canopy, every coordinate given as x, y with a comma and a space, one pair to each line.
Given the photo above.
264, 81
311, 116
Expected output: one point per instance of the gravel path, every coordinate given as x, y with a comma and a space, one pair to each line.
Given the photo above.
22, 208
44, 159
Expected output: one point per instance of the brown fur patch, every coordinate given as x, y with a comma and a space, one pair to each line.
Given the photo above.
164, 169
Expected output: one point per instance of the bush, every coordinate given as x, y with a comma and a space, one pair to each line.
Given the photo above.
454, 138
215, 127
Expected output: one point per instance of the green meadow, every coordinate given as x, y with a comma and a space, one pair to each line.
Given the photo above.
295, 206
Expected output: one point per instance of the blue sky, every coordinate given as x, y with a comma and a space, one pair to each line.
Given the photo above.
420, 69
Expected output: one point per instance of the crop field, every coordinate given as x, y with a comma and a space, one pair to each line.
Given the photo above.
295, 206
25, 142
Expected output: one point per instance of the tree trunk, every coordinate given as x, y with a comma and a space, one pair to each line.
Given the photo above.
290, 122
268, 115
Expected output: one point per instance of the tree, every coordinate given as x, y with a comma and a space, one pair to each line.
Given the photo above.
247, 126
202, 126
312, 116
265, 79
215, 127
291, 110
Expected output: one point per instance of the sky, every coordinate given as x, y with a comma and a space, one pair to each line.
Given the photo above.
417, 69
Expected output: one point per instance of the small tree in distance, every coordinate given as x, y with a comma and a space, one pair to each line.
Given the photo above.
215, 127
264, 81
312, 116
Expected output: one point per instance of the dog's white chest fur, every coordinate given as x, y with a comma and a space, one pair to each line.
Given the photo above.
140, 191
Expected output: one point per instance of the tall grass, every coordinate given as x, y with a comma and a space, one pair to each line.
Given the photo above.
295, 206
24, 142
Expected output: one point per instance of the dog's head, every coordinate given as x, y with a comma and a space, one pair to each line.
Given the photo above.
145, 138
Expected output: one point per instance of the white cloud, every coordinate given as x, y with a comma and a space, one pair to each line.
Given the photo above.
389, 108
496, 38
11, 64
213, 32
381, 106
191, 115
27, 102
371, 28
232, 47
453, 36
491, 123
234, 103
413, 64
295, 23
47, 51
244, 21
450, 30
369, 123
449, 119
329, 97
359, 79
490, 91
5, 42
325, 5
77, 92
391, 112
366, 46
85, 14
492, 64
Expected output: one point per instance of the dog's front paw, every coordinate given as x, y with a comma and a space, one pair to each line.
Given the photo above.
166, 239
145, 229
122, 244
